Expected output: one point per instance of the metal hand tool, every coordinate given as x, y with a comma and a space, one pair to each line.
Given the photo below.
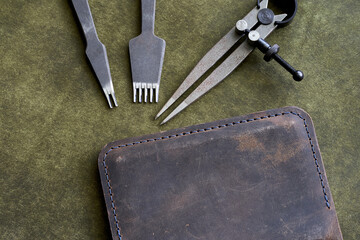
95, 50
256, 26
147, 55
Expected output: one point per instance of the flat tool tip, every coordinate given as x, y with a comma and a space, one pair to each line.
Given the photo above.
160, 113
167, 119
165, 107
181, 107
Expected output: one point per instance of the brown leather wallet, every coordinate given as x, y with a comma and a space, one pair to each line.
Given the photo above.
258, 176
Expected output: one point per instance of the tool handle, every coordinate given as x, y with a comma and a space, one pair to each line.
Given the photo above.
83, 13
148, 15
290, 8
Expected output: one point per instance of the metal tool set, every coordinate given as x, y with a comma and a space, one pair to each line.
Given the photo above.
147, 53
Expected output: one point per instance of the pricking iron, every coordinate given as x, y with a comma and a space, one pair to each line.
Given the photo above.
95, 50
255, 26
147, 55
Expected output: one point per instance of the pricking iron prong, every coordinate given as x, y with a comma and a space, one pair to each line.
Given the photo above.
134, 92
113, 98
151, 94
95, 50
140, 94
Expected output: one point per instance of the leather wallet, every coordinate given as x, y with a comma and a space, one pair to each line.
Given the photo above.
258, 176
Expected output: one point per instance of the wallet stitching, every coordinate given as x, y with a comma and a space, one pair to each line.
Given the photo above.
205, 130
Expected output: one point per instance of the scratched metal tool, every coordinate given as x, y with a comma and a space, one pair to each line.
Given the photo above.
147, 56
95, 50
255, 26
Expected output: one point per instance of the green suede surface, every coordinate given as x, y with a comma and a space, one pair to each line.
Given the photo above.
55, 120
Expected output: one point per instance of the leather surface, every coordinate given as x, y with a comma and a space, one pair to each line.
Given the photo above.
258, 176
54, 118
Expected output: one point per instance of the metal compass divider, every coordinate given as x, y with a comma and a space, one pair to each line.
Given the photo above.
256, 26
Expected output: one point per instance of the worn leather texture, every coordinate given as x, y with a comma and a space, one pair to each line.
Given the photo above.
258, 176
54, 118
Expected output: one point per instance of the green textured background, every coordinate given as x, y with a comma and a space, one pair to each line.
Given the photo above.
55, 120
